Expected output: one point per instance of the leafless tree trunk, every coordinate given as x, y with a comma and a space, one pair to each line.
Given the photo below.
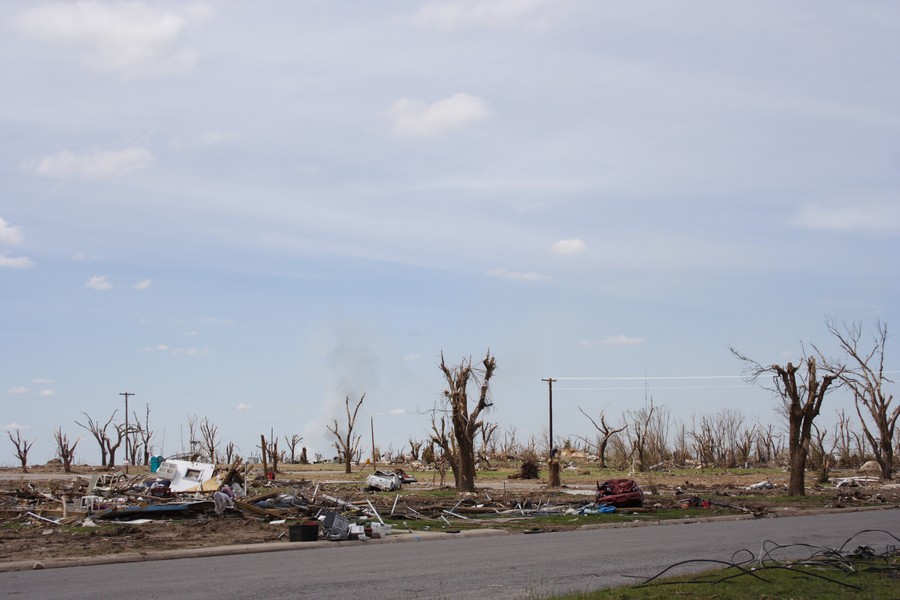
606, 432
487, 431
65, 449
510, 446
843, 439
440, 435
209, 433
292, 443
866, 379
347, 442
111, 447
415, 446
99, 433
193, 439
465, 423
802, 395
144, 435
821, 456
22, 447
230, 453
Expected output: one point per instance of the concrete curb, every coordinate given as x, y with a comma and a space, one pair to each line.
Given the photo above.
211, 551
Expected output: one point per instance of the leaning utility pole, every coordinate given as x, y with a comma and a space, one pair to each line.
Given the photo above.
127, 433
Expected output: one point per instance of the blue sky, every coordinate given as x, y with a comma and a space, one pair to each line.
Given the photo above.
246, 211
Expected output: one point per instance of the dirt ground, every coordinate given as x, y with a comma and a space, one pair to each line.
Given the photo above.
26, 538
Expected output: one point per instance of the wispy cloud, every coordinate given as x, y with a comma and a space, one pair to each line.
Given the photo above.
573, 246
858, 216
240, 406
15, 391
190, 351
101, 164
46, 393
529, 276
470, 14
615, 340
14, 426
134, 39
398, 411
99, 282
10, 234
15, 262
142, 285
176, 351
412, 118
156, 348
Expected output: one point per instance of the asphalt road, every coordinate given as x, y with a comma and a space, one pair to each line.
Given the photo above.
507, 566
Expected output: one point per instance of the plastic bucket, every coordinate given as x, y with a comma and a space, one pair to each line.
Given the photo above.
308, 531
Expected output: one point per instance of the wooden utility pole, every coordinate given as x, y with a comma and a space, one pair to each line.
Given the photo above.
374, 461
127, 432
554, 459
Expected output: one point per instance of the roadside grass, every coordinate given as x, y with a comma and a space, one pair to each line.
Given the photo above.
875, 578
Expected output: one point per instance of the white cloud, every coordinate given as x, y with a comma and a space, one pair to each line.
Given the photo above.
398, 411
14, 426
15, 262
143, 284
101, 164
574, 246
851, 217
9, 234
46, 393
99, 282
190, 351
242, 406
411, 357
518, 275
412, 118
132, 38
467, 14
616, 340
15, 391
156, 348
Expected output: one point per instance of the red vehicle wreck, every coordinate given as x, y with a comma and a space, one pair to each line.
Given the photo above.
621, 493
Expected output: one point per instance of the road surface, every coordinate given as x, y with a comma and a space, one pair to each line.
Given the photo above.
506, 566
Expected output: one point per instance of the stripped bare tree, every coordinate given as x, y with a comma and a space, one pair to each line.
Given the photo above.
465, 421
866, 379
143, 436
209, 439
22, 447
347, 442
802, 392
605, 433
100, 434
292, 443
415, 447
487, 431
65, 449
113, 446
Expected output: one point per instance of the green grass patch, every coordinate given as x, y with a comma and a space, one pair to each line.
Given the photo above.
877, 578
